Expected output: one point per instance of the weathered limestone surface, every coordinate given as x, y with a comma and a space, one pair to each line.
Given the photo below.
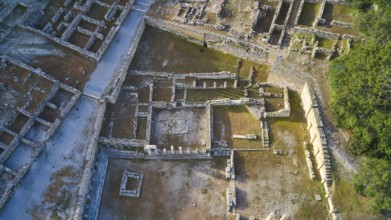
318, 140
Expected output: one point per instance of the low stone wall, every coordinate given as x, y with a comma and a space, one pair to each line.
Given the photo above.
340, 24
319, 18
179, 156
87, 54
211, 75
241, 101
276, 13
209, 129
320, 33
120, 143
286, 111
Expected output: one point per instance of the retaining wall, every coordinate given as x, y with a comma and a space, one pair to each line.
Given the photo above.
89, 161
214, 40
318, 141
125, 63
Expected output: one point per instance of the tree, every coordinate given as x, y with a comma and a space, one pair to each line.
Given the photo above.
374, 181
361, 98
376, 24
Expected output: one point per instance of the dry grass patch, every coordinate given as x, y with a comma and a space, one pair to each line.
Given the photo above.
268, 182
237, 120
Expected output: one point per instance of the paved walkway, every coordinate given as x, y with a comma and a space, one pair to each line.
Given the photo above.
66, 148
107, 69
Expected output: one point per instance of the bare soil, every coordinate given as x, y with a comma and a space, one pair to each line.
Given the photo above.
74, 70
170, 190
268, 182
185, 127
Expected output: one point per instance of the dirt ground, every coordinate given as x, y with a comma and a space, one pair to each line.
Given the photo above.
120, 118
268, 182
170, 190
185, 127
288, 133
75, 70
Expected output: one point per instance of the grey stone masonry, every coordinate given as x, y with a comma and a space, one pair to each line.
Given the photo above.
69, 17
86, 179
128, 175
286, 111
231, 197
120, 143
318, 139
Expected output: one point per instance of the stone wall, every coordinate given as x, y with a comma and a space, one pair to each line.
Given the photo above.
209, 136
214, 40
319, 18
286, 111
320, 33
116, 85
317, 134
120, 143
318, 141
73, 26
211, 75
89, 164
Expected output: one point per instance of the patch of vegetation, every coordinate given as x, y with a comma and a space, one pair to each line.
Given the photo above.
351, 204
342, 13
361, 97
374, 181
58, 195
325, 43
203, 95
162, 51
361, 100
260, 74
238, 120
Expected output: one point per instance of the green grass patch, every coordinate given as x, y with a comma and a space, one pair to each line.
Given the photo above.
162, 51
325, 43
238, 120
203, 95
342, 13
260, 71
295, 126
306, 37
348, 201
